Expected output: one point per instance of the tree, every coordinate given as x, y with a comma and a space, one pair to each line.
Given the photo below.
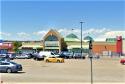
16, 46
64, 45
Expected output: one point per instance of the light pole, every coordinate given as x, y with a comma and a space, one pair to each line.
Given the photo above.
81, 37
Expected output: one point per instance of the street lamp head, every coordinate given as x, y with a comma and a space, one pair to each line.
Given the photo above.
82, 22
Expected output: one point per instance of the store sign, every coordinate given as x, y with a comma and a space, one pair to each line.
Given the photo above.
119, 38
51, 43
119, 44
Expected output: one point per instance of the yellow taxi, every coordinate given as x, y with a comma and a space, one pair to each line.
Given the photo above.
54, 59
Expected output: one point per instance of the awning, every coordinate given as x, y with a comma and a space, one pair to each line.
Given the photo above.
72, 39
31, 46
51, 47
78, 46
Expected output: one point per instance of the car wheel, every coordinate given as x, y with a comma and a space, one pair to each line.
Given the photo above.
58, 61
62, 61
9, 70
123, 63
34, 58
47, 60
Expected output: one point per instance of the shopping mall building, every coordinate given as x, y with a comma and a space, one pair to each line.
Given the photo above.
54, 41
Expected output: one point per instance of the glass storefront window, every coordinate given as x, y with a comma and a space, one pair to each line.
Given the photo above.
51, 38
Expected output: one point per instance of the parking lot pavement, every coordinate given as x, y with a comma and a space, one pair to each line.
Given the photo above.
64, 83
105, 70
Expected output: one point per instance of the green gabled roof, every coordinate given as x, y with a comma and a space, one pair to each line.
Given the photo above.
71, 37
88, 38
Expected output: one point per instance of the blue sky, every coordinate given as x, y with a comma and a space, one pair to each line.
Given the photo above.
30, 20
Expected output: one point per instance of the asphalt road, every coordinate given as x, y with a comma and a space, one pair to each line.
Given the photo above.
105, 70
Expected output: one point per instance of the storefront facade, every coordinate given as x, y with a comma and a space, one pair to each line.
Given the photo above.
52, 41
31, 46
74, 44
6, 47
104, 48
112, 46
123, 46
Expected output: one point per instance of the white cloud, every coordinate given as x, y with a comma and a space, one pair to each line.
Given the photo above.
65, 32
95, 31
115, 33
99, 34
91, 31
40, 33
23, 35
110, 34
5, 34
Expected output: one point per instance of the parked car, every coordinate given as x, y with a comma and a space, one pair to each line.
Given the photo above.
22, 56
66, 55
2, 59
54, 59
37, 57
41, 55
5, 58
11, 56
2, 55
78, 55
10, 67
48, 54
30, 55
122, 61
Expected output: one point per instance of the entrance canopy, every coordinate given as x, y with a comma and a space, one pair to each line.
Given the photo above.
78, 46
51, 47
32, 46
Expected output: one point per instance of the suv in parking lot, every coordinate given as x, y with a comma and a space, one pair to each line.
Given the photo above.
66, 55
10, 67
22, 56
78, 55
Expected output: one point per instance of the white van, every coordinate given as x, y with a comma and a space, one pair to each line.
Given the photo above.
42, 54
47, 54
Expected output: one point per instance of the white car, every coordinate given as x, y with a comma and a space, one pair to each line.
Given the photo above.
22, 56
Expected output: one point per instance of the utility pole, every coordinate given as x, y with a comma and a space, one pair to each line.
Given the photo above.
81, 37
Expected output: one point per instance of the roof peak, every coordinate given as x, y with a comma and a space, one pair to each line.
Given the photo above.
88, 38
71, 36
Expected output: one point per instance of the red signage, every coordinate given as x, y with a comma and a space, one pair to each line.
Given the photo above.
119, 44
